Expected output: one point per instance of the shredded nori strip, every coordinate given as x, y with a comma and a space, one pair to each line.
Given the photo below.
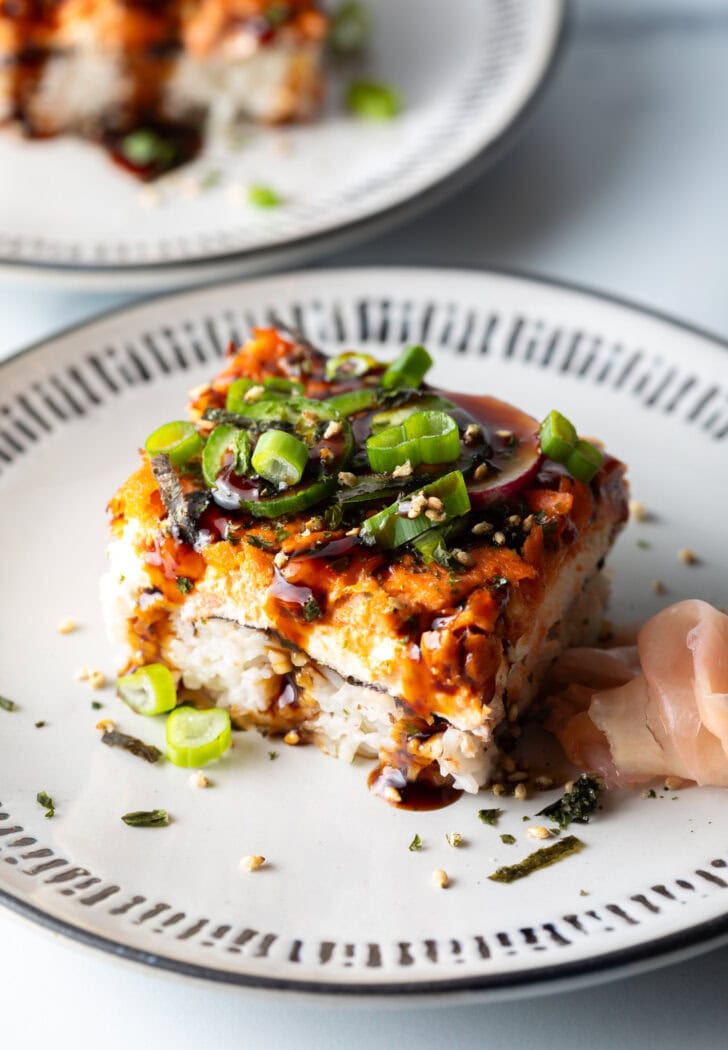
7, 705
577, 805
147, 818
113, 738
489, 816
184, 511
47, 803
542, 858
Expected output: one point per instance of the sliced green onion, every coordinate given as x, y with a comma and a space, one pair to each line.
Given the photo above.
280, 457
391, 417
436, 434
223, 441
350, 365
409, 369
349, 29
264, 196
354, 401
278, 386
145, 147
391, 527
235, 400
149, 690
178, 440
274, 388
431, 547
392, 448
372, 100
195, 738
558, 437
291, 502
584, 461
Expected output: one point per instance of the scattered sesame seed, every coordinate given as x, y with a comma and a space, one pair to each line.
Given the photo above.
658, 587
416, 505
434, 515
254, 394
440, 879
508, 764
673, 783
353, 532
454, 839
292, 737
521, 792
298, 658
403, 470
96, 679
498, 790
482, 528
67, 626
506, 435
333, 429
199, 780
252, 862
392, 795
280, 559
464, 557
434, 503
543, 783
325, 454
472, 433
499, 539
637, 510
528, 523
316, 524
515, 520
687, 556
106, 725
538, 832
481, 472
346, 478
517, 777
280, 662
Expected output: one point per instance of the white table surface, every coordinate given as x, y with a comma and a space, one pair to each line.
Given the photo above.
619, 182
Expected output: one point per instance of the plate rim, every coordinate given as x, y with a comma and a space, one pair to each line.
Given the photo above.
314, 244
653, 953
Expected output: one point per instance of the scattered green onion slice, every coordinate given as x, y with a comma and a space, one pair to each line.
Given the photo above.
235, 400
350, 28
149, 690
409, 369
274, 387
558, 437
391, 527
280, 457
291, 502
431, 546
350, 365
372, 100
391, 417
195, 738
223, 441
354, 401
145, 147
279, 386
264, 196
392, 448
178, 440
424, 437
584, 461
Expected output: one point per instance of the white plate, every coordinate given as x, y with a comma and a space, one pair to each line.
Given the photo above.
343, 906
467, 70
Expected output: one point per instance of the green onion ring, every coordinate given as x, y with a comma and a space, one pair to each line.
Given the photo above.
178, 440
280, 457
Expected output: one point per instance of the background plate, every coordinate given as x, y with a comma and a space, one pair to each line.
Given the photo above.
343, 906
467, 71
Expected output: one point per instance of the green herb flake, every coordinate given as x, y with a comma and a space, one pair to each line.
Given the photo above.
542, 858
185, 584
264, 197
415, 844
259, 542
644, 544
47, 803
113, 738
350, 29
7, 705
39, 725
96, 705
583, 893
508, 840
147, 818
311, 610
372, 100
490, 816
578, 805
651, 793
272, 755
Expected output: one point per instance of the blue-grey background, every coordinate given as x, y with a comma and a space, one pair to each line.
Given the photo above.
619, 182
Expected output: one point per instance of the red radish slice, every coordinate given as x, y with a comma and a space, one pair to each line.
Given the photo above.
516, 456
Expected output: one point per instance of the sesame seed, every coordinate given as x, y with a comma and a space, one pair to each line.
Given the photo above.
454, 839
658, 587
499, 539
67, 626
254, 394
481, 472
403, 470
325, 455
673, 783
97, 679
440, 879
434, 515
515, 520
346, 478
315, 524
434, 503
464, 557
106, 725
498, 790
528, 523
199, 780
508, 764
637, 510
504, 434
392, 795
280, 559
279, 661
472, 433
298, 658
538, 832
482, 528
517, 777
521, 792
687, 556
252, 862
333, 429
292, 737
543, 782
353, 532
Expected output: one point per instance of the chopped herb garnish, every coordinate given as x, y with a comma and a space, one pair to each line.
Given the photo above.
644, 544
96, 705
373, 101
113, 738
350, 29
489, 816
311, 610
508, 840
415, 844
47, 803
583, 893
264, 197
7, 705
39, 725
542, 858
272, 755
185, 584
147, 818
577, 805
259, 542
651, 793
